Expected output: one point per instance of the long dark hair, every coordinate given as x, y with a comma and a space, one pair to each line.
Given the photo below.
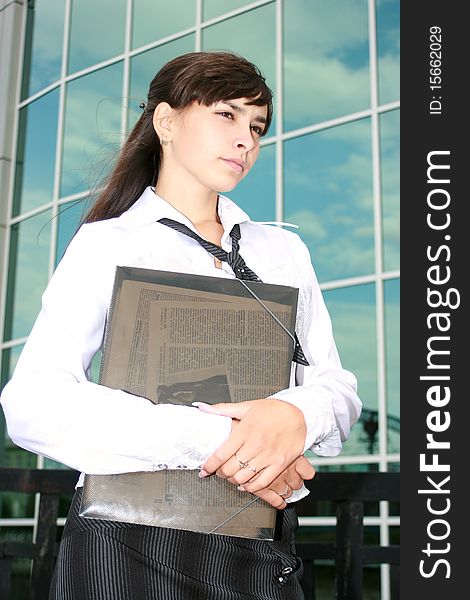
204, 77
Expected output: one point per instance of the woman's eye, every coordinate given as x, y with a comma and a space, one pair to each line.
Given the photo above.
257, 130
229, 115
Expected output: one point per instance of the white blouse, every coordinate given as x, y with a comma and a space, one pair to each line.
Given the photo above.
53, 409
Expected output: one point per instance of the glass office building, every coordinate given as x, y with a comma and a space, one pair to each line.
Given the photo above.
74, 73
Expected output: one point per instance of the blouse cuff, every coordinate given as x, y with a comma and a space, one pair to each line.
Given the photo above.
323, 436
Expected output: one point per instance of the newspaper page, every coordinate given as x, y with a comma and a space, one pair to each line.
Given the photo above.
174, 344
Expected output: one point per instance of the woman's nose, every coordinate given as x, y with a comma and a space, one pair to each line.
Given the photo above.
244, 139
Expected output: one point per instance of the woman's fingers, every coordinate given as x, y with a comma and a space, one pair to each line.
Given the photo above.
236, 410
289, 480
304, 468
270, 435
272, 498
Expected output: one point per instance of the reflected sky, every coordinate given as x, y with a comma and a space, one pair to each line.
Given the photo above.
28, 273
326, 60
34, 176
392, 352
69, 217
96, 32
256, 194
10, 357
390, 182
155, 19
92, 128
352, 311
44, 41
328, 192
215, 8
253, 36
388, 49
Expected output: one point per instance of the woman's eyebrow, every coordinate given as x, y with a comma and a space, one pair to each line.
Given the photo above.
241, 110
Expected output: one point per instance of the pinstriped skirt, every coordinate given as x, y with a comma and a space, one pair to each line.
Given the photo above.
104, 560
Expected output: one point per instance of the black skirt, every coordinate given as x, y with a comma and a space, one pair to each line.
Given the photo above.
104, 560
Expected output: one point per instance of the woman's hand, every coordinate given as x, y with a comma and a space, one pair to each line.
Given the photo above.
283, 486
269, 437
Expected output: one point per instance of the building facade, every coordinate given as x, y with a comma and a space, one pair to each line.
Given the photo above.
72, 77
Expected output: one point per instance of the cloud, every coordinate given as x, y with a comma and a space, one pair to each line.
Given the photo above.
354, 329
322, 88
310, 226
92, 132
32, 271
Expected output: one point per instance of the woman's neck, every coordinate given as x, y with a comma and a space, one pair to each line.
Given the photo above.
198, 205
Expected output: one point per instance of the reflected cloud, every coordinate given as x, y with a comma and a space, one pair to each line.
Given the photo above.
390, 180
92, 128
96, 33
155, 19
330, 178
315, 90
352, 312
35, 166
326, 60
309, 226
389, 78
31, 273
241, 34
46, 51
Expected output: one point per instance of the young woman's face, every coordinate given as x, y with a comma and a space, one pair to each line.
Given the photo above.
217, 145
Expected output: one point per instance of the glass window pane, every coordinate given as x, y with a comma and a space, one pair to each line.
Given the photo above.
69, 217
392, 354
155, 19
35, 158
9, 359
256, 194
388, 49
8, 451
242, 35
27, 273
96, 32
328, 192
390, 177
326, 60
215, 8
43, 45
352, 311
92, 128
10, 454
144, 67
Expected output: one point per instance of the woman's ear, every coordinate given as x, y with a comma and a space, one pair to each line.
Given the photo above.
163, 122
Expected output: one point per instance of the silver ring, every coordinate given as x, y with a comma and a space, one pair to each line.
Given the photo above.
243, 464
287, 490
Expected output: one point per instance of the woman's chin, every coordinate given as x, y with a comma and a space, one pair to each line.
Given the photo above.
228, 187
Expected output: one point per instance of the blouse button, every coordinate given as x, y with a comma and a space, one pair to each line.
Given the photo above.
286, 570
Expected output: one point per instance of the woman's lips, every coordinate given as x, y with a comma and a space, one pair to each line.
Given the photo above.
236, 165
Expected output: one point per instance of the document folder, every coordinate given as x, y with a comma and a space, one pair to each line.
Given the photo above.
177, 338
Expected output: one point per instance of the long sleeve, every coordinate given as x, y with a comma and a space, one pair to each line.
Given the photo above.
52, 408
324, 391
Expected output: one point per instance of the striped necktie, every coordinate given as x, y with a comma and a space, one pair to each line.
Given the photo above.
236, 262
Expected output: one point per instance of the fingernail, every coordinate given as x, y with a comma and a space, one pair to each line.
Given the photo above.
240, 488
203, 473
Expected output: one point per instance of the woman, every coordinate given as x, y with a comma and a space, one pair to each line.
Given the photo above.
198, 136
